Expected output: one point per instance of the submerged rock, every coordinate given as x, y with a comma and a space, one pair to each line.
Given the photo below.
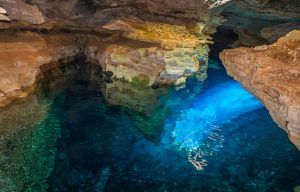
272, 74
297, 189
145, 105
102, 180
29, 131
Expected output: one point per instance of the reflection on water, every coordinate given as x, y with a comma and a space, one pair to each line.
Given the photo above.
146, 106
78, 134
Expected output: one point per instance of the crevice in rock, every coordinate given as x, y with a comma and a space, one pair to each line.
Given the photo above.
223, 39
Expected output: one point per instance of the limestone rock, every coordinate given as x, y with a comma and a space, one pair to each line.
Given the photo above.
167, 35
129, 60
272, 74
18, 10
2, 11
176, 33
248, 17
23, 54
91, 15
273, 33
4, 18
175, 51
128, 63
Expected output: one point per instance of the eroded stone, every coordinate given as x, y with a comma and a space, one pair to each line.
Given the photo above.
273, 75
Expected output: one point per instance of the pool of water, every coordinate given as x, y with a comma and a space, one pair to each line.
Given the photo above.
77, 134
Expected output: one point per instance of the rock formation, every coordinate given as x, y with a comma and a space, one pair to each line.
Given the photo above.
132, 39
272, 74
21, 56
248, 18
3, 16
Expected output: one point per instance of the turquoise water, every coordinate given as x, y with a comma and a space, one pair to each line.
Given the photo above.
78, 134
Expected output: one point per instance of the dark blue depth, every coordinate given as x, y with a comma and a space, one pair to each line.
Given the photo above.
106, 144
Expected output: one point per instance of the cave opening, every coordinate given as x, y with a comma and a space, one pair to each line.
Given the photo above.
223, 39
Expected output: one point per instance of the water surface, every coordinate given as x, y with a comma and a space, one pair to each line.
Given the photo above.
79, 134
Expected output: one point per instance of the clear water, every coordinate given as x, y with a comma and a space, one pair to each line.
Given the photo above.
77, 134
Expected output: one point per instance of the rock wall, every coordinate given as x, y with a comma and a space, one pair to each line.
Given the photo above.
92, 14
272, 74
252, 20
158, 42
22, 54
161, 40
164, 41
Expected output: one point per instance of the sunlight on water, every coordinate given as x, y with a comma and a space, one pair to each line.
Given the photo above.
78, 134
196, 129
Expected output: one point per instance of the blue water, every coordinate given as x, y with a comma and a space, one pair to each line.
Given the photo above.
83, 136
190, 129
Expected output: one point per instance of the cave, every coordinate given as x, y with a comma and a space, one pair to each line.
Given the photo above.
158, 95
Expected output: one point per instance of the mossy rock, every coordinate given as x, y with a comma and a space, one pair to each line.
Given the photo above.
141, 81
297, 189
151, 125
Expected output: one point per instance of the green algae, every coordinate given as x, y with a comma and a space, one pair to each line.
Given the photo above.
152, 125
141, 81
297, 189
29, 129
27, 153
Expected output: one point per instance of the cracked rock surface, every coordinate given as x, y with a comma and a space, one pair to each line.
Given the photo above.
272, 74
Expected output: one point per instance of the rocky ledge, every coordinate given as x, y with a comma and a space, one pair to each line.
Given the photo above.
25, 55
156, 42
272, 74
